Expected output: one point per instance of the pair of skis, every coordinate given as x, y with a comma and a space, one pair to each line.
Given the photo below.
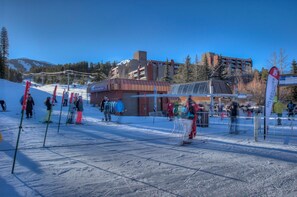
71, 110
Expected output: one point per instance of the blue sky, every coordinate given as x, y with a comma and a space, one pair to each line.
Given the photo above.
68, 31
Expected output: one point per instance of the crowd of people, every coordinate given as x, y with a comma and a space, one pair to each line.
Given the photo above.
188, 110
106, 107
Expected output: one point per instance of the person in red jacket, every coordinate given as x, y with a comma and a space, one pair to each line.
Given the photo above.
192, 114
170, 111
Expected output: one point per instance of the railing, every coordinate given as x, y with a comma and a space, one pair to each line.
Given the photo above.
157, 113
248, 127
181, 130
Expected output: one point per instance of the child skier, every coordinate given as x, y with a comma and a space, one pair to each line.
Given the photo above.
80, 108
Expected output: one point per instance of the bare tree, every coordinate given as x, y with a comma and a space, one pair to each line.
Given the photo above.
282, 61
279, 60
256, 88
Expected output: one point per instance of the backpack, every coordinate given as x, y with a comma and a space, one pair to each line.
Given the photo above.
290, 106
191, 112
107, 106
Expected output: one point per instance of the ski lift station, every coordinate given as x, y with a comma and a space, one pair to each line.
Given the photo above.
138, 95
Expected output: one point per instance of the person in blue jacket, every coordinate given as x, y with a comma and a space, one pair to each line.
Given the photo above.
119, 108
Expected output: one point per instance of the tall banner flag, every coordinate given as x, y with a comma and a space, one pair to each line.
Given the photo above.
271, 87
24, 105
25, 96
155, 99
54, 95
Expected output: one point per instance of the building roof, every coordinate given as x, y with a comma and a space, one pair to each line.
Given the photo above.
129, 85
201, 87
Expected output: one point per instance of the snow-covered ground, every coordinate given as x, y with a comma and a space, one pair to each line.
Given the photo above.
140, 156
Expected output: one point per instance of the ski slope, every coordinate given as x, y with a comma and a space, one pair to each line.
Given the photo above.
139, 157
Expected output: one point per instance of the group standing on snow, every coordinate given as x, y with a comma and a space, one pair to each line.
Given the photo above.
108, 107
186, 114
189, 110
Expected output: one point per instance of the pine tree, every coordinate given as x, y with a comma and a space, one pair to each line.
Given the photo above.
188, 74
179, 77
264, 74
294, 71
3, 51
223, 70
167, 77
2, 66
101, 73
191, 70
202, 69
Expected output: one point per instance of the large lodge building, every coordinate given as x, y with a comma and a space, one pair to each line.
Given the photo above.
140, 76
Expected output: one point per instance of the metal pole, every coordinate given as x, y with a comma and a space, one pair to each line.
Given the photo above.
17, 143
256, 126
48, 120
68, 80
61, 110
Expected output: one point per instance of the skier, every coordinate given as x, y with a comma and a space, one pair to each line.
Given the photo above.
291, 107
65, 102
119, 108
192, 115
80, 108
233, 113
71, 110
170, 111
278, 108
176, 110
103, 103
249, 110
106, 110
29, 106
3, 105
48, 105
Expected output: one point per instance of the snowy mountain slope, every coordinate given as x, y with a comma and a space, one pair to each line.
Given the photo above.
139, 157
24, 64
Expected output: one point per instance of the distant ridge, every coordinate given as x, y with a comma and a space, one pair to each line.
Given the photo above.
24, 64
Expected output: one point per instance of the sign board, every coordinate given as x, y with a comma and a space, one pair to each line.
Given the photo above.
288, 80
98, 88
271, 86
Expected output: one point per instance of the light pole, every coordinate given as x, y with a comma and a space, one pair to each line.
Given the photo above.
68, 80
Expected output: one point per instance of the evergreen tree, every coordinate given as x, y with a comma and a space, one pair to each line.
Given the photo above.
192, 71
101, 72
185, 73
167, 77
3, 52
202, 69
223, 70
2, 66
264, 74
179, 77
294, 89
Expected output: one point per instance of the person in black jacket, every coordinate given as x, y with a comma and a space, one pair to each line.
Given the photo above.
234, 113
29, 106
48, 105
103, 103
